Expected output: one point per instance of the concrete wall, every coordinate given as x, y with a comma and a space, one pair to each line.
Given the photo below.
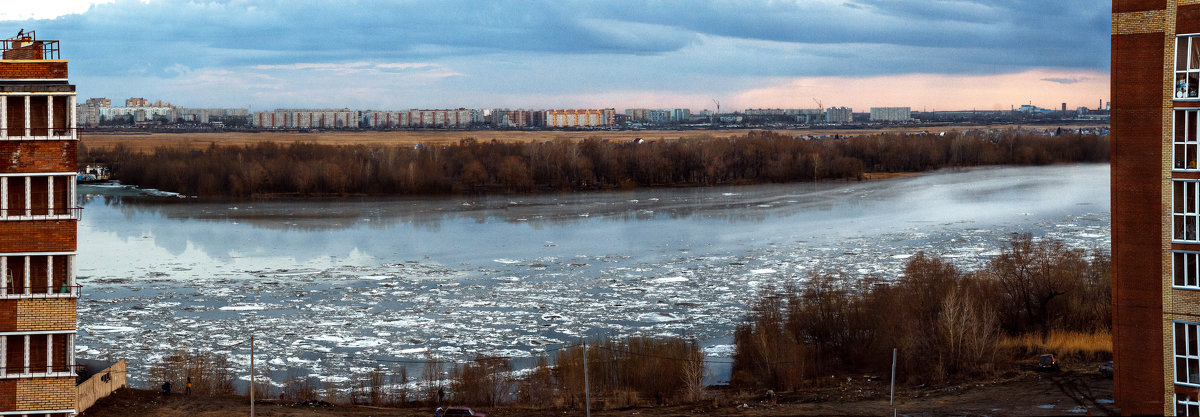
100, 385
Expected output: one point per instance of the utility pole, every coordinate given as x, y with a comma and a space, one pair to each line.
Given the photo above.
587, 399
892, 400
251, 375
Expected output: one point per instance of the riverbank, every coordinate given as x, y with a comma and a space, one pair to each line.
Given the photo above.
146, 142
470, 166
1077, 389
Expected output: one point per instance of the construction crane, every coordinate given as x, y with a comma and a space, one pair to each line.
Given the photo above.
820, 108
717, 115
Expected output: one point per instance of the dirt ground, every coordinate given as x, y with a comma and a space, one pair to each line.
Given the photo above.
1078, 390
148, 141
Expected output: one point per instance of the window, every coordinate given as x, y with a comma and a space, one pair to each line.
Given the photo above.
37, 196
1187, 67
37, 276
1185, 406
1184, 216
1186, 267
49, 117
37, 353
1185, 139
1187, 357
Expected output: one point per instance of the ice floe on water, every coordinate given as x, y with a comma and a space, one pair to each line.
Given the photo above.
441, 278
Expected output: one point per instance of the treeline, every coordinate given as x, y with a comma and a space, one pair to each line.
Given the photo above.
947, 324
565, 165
635, 371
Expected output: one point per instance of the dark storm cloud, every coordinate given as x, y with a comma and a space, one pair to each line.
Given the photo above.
135, 37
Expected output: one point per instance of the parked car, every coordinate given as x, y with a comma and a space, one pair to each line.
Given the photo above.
1106, 369
1047, 362
461, 411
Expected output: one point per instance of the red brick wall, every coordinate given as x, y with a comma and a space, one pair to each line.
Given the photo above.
1137, 215
37, 236
1122, 6
38, 156
1187, 19
33, 70
8, 316
8, 395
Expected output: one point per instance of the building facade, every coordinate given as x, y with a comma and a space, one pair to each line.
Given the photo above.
839, 115
891, 114
38, 216
1155, 194
579, 118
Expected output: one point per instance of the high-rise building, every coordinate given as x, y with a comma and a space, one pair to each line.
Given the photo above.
891, 114
839, 115
38, 216
1155, 194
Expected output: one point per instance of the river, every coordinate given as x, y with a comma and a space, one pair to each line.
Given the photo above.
337, 286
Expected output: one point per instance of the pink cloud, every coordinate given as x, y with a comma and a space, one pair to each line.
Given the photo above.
1044, 88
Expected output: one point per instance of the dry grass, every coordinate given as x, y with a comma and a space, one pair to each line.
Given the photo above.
145, 142
1063, 344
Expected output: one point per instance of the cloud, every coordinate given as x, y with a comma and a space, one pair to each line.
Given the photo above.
1066, 80
542, 48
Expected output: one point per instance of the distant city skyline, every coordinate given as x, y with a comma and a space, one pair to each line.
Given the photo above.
953, 55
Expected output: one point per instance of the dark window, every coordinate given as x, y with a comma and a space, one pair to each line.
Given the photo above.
14, 356
39, 117
61, 116
16, 115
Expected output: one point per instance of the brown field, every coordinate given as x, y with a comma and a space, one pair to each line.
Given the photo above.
148, 141
1076, 390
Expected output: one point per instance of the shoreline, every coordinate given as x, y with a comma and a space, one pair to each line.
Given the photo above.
146, 141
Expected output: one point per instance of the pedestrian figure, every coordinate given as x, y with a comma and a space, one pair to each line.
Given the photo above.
441, 395
189, 386
166, 388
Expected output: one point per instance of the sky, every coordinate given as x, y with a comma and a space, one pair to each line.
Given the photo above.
540, 54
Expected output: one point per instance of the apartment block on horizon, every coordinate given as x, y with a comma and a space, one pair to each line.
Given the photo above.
891, 114
579, 118
38, 217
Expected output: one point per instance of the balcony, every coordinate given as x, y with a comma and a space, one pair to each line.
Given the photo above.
37, 114
43, 371
57, 213
26, 46
61, 291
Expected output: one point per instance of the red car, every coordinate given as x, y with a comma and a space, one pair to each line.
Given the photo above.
461, 411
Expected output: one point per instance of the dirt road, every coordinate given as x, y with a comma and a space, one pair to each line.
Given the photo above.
1076, 391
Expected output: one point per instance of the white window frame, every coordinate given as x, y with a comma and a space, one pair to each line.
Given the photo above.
1185, 219
1186, 85
1190, 268
1184, 150
1183, 404
1191, 355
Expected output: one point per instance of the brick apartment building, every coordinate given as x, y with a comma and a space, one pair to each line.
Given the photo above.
38, 216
